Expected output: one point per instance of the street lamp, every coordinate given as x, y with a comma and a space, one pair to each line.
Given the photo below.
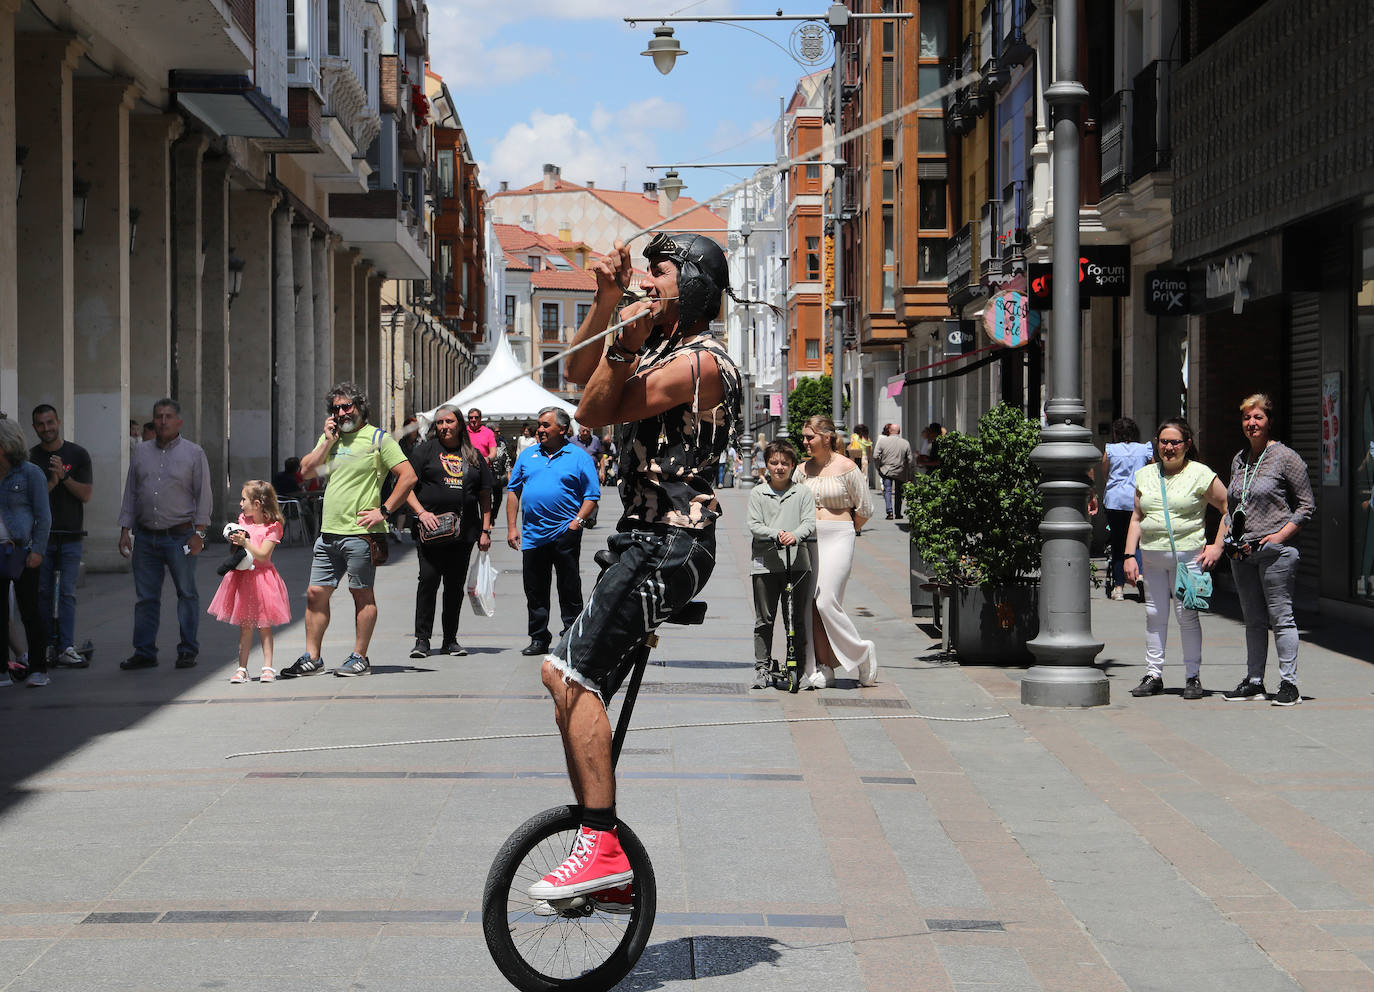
81, 196
672, 185
1064, 673
664, 49
235, 286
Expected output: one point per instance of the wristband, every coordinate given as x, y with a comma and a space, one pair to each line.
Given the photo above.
621, 355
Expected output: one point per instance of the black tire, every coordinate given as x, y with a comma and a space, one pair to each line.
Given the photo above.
589, 953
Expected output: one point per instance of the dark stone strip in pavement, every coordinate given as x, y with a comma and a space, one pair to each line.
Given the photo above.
952, 925
886, 780
866, 701
330, 916
650, 775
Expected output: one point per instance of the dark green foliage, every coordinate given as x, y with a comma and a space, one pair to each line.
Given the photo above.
976, 520
810, 397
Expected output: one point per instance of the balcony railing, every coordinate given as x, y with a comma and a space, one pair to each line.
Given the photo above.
959, 261
989, 255
1012, 239
959, 118
1015, 48
990, 50
1135, 129
1114, 142
1150, 150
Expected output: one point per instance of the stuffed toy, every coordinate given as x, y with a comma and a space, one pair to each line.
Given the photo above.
238, 558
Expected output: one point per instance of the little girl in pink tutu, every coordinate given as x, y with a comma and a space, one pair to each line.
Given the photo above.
255, 596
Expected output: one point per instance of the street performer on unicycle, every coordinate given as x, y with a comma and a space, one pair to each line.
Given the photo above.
675, 394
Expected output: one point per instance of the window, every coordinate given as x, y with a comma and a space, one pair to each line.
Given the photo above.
332, 28
930, 260
549, 323
813, 259
813, 350
930, 135
549, 377
889, 180
510, 314
534, 261
583, 309
933, 216
934, 28
927, 80
291, 26
445, 267
813, 172
445, 170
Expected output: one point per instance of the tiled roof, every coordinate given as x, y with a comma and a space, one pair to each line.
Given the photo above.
564, 279
642, 211
559, 186
514, 264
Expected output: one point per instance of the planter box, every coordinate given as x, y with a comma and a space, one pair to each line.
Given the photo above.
992, 625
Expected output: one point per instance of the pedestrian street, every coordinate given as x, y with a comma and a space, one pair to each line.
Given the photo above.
1154, 843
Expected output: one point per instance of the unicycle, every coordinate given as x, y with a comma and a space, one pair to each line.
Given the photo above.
576, 944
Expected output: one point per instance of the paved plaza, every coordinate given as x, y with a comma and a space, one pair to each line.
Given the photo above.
1154, 844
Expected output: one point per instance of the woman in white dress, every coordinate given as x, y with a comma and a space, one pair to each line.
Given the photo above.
843, 506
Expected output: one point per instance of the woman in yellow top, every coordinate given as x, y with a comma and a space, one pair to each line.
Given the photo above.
1189, 486
843, 507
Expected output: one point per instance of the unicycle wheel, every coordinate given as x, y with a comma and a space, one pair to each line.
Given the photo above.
570, 944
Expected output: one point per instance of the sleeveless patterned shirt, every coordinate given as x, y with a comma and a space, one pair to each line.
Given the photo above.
668, 461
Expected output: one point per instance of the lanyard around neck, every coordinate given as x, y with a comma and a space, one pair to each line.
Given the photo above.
1248, 475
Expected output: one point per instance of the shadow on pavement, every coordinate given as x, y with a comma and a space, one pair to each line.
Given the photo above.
700, 957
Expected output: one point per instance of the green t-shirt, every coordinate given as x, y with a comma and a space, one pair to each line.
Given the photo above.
355, 468
1187, 489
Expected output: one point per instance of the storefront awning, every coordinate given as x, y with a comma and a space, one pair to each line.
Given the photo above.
229, 104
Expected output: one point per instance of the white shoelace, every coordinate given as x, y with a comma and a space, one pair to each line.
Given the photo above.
579, 858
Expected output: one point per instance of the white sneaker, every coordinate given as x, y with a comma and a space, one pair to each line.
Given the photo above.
868, 668
822, 678
38, 679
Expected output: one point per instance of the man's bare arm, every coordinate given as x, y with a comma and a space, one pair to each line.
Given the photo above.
613, 397
612, 276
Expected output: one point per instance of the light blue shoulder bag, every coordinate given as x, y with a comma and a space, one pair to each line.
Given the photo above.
1192, 589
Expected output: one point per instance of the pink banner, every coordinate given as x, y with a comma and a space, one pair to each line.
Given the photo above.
894, 385
775, 404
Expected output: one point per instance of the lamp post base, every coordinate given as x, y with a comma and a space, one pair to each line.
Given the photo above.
1065, 685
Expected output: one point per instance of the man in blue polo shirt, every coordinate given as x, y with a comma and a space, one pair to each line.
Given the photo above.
553, 490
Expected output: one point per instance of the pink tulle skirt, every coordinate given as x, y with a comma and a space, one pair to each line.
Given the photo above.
256, 597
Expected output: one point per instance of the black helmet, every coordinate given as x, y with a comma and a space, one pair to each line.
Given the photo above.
702, 273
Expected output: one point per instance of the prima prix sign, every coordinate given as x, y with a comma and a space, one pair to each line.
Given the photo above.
1166, 293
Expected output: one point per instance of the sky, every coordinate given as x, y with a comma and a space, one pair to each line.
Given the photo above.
562, 81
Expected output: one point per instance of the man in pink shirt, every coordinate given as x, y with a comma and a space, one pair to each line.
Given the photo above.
483, 438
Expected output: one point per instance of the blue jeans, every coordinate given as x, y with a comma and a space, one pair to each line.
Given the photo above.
153, 553
64, 557
892, 488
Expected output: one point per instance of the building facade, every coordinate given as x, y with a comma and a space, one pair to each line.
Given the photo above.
206, 201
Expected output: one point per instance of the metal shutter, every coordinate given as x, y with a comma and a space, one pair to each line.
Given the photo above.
1304, 408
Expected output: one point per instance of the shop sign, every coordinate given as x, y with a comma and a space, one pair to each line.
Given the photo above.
958, 338
1103, 270
1331, 429
1231, 277
1166, 293
1008, 318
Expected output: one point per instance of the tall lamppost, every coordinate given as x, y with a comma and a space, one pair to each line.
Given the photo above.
809, 49
1064, 674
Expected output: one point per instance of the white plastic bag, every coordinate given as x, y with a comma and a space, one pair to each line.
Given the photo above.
482, 585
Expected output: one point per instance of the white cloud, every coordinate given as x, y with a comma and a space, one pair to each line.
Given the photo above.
611, 147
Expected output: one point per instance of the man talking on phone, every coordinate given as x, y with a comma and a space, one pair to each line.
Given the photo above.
354, 457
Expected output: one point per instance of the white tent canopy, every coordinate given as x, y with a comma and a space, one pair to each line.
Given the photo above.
497, 396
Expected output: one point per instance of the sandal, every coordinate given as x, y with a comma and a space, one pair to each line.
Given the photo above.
268, 674
240, 676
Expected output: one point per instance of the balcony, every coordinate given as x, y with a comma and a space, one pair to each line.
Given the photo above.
1016, 49
383, 229
1150, 151
1012, 239
959, 119
989, 253
959, 266
976, 99
995, 76
1113, 145
852, 68
412, 17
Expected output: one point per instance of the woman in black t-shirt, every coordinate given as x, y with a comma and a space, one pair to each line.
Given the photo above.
453, 477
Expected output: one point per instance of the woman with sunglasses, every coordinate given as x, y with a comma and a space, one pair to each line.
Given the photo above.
1179, 485
843, 506
1270, 499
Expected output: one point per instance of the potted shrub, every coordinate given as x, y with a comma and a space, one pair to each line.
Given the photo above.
975, 522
